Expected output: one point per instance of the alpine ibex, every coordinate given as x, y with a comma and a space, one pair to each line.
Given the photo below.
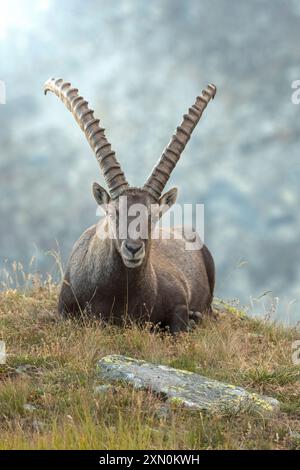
153, 280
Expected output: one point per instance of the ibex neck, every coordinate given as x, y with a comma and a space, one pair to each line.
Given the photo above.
133, 277
111, 269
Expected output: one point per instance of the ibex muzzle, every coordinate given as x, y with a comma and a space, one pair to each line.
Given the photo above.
111, 267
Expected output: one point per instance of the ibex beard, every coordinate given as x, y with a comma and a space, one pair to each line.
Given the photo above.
143, 278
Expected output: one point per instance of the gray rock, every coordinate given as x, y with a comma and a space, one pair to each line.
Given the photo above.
295, 435
99, 389
38, 426
29, 407
185, 388
28, 369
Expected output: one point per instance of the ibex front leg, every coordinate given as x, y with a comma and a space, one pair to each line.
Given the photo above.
179, 320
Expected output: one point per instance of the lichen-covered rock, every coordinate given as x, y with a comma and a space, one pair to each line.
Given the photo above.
185, 388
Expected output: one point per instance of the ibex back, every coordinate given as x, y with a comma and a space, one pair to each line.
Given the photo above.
139, 278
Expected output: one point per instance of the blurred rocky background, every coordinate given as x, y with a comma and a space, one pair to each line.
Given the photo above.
141, 64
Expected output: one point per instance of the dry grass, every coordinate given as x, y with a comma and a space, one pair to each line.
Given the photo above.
51, 366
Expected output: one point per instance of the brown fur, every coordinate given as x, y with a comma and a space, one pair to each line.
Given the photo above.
138, 278
169, 283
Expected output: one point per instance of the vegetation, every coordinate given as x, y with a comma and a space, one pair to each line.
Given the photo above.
49, 400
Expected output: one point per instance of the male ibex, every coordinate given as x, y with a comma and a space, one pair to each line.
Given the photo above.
155, 280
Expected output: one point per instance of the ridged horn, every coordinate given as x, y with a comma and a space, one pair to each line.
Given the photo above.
95, 135
161, 173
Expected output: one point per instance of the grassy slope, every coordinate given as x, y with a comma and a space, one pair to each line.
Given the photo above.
68, 414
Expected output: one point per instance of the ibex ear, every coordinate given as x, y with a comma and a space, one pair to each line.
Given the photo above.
101, 195
167, 200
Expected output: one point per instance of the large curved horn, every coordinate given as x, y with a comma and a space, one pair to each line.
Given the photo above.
84, 116
161, 173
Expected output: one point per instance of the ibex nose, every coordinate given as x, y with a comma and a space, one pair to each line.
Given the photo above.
133, 247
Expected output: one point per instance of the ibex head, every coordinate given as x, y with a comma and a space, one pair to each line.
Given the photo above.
133, 250
130, 220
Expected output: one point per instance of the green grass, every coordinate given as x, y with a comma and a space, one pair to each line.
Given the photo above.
60, 376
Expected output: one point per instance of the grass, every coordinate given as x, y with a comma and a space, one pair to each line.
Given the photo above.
47, 387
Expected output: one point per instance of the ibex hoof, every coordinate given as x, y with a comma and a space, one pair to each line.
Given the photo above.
196, 316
